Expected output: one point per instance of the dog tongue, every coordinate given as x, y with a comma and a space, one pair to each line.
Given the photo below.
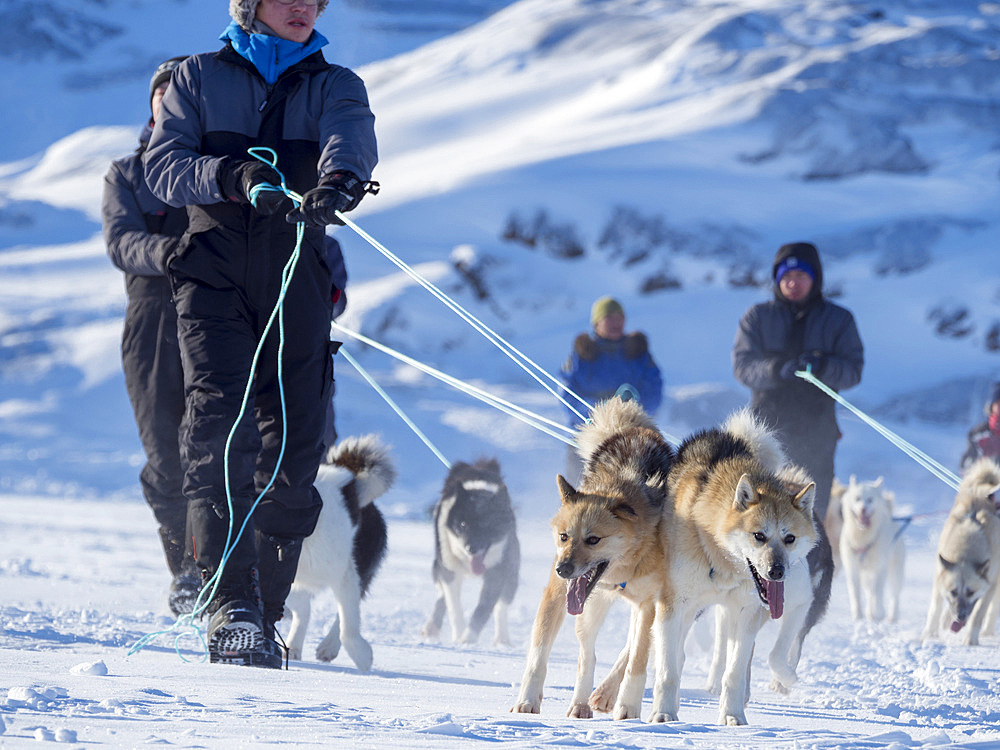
775, 591
957, 625
576, 595
476, 563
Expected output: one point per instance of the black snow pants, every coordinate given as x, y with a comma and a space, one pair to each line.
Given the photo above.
151, 361
225, 288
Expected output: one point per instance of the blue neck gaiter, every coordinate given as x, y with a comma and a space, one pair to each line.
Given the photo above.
271, 55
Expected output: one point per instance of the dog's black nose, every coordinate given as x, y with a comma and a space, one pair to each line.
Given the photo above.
776, 572
564, 569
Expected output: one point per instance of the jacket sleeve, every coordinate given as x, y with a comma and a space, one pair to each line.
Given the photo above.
650, 385
175, 170
751, 365
130, 245
842, 369
570, 375
347, 127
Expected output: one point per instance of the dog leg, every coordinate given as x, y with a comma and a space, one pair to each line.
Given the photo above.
432, 630
299, 604
629, 703
897, 565
551, 611
853, 579
501, 632
932, 626
668, 633
979, 614
493, 584
735, 682
784, 655
588, 623
452, 591
875, 584
990, 619
348, 593
714, 682
604, 696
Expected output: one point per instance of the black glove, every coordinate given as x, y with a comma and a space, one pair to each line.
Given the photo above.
341, 191
813, 360
237, 179
787, 370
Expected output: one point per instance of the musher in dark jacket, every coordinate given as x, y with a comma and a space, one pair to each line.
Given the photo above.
268, 86
984, 438
799, 327
141, 232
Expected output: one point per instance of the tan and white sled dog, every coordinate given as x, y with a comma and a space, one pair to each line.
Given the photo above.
967, 582
607, 547
871, 550
730, 536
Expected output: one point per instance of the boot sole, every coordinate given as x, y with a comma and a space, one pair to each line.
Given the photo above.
236, 643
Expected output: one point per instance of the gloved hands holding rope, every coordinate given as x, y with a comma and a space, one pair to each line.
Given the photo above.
340, 191
813, 360
237, 178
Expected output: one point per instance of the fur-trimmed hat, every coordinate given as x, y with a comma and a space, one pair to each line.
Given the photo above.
244, 11
604, 307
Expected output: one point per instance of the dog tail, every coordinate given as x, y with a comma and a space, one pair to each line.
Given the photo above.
368, 460
764, 445
981, 480
609, 418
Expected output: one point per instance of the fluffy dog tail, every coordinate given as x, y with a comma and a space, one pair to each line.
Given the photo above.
368, 460
764, 445
609, 418
981, 480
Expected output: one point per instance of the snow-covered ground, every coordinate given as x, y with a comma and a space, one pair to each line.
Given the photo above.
676, 145
81, 581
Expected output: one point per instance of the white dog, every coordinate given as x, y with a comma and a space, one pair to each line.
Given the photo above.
344, 552
871, 550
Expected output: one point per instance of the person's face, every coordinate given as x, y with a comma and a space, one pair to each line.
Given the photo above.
795, 285
291, 19
157, 100
611, 326
995, 407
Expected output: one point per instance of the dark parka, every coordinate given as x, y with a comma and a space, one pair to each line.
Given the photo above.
226, 282
772, 333
141, 231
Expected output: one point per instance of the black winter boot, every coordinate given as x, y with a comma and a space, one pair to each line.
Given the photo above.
184, 590
236, 628
279, 559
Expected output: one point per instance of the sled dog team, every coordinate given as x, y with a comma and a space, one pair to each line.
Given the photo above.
724, 520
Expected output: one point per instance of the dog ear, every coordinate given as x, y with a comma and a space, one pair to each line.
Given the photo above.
949, 566
853, 482
566, 492
878, 482
745, 496
624, 511
805, 499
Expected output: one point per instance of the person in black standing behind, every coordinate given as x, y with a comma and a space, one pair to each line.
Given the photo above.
269, 86
141, 232
797, 329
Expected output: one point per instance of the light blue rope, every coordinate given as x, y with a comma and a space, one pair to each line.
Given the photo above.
941, 472
211, 586
528, 417
507, 348
395, 406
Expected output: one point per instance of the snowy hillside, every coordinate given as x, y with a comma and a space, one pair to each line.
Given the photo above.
531, 161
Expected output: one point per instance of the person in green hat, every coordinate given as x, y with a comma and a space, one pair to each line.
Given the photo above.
605, 359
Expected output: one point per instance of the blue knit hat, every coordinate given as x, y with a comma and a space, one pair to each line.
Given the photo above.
792, 263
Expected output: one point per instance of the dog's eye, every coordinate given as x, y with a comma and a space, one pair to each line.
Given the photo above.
790, 539
563, 537
759, 536
593, 539
969, 594
954, 593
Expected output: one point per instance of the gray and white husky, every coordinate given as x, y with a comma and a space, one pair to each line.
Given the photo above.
967, 580
346, 549
475, 536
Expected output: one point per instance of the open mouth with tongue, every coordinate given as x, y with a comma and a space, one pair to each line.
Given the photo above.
578, 589
477, 564
957, 625
771, 593
864, 518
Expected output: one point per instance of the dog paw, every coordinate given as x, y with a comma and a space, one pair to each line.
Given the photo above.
360, 652
602, 700
623, 712
328, 648
468, 638
294, 654
526, 707
430, 633
778, 688
580, 711
733, 719
714, 687
660, 717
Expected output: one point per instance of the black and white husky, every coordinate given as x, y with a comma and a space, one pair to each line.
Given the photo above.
474, 535
346, 549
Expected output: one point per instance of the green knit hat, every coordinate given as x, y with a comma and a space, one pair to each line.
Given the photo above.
604, 307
